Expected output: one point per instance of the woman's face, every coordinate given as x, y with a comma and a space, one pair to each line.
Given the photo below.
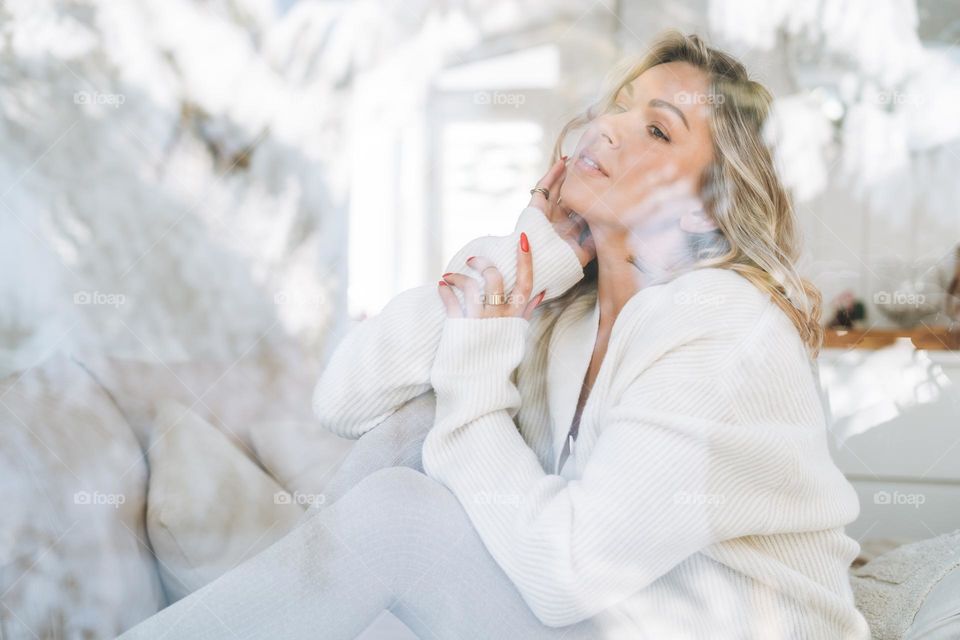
646, 153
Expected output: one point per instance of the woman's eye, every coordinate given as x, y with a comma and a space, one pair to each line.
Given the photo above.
657, 133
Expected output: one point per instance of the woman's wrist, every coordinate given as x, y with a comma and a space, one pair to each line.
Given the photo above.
556, 266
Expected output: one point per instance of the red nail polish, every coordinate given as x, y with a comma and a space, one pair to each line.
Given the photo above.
524, 244
564, 158
540, 298
470, 258
442, 283
446, 274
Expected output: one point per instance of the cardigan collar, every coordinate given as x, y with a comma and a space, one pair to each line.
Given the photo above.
568, 359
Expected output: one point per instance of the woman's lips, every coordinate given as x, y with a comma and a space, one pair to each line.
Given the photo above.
588, 164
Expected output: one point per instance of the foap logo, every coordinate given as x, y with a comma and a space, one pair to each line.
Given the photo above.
898, 98
299, 299
698, 298
698, 97
686, 497
899, 298
508, 298
506, 98
487, 497
95, 97
896, 497
97, 498
99, 298
302, 499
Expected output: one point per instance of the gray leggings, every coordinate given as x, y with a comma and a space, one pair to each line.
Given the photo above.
387, 537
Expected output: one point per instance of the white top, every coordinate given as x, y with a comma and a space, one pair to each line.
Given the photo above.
701, 500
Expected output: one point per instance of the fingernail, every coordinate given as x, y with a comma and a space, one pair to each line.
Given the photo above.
540, 298
446, 274
471, 258
524, 244
442, 283
564, 158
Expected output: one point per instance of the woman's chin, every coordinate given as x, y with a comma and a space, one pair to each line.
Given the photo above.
588, 207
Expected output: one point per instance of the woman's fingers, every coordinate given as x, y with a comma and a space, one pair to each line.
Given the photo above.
518, 302
576, 222
550, 182
574, 229
493, 284
450, 301
589, 249
492, 279
533, 304
526, 304
471, 292
520, 296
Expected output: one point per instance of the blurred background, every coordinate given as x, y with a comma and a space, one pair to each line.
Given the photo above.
199, 197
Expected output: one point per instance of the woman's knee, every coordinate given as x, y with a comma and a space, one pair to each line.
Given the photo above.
401, 521
404, 496
404, 481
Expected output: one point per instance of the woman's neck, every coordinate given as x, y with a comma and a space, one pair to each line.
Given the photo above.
630, 260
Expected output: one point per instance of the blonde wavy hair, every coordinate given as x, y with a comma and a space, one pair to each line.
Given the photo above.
757, 233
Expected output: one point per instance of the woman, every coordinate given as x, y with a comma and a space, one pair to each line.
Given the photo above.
628, 440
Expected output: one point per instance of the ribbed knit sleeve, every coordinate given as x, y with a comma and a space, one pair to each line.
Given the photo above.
386, 359
686, 457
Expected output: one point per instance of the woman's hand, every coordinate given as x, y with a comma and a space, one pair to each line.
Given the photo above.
568, 224
517, 304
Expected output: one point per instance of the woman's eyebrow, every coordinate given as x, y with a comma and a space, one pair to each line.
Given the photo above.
663, 104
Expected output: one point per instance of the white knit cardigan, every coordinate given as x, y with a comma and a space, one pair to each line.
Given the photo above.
701, 500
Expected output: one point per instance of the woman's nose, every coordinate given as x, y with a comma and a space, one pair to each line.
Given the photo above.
608, 134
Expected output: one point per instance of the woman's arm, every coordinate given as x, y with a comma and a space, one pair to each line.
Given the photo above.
386, 359
681, 462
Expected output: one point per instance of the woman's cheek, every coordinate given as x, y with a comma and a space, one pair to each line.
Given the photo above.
575, 194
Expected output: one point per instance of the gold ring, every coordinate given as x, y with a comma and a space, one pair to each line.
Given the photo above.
543, 190
493, 298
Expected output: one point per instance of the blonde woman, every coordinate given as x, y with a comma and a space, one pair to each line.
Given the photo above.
628, 440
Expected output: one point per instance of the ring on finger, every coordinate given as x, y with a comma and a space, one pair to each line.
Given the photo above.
494, 299
543, 190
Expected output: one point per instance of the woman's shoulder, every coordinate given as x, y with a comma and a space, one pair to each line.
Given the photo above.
716, 286
707, 304
710, 296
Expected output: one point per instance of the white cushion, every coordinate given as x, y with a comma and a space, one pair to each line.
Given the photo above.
893, 589
300, 455
209, 507
75, 557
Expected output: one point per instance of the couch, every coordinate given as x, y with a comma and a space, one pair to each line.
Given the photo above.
125, 491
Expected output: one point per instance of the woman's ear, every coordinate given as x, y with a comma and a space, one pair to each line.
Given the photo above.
697, 222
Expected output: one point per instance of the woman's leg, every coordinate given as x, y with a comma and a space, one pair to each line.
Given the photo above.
397, 442
397, 540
